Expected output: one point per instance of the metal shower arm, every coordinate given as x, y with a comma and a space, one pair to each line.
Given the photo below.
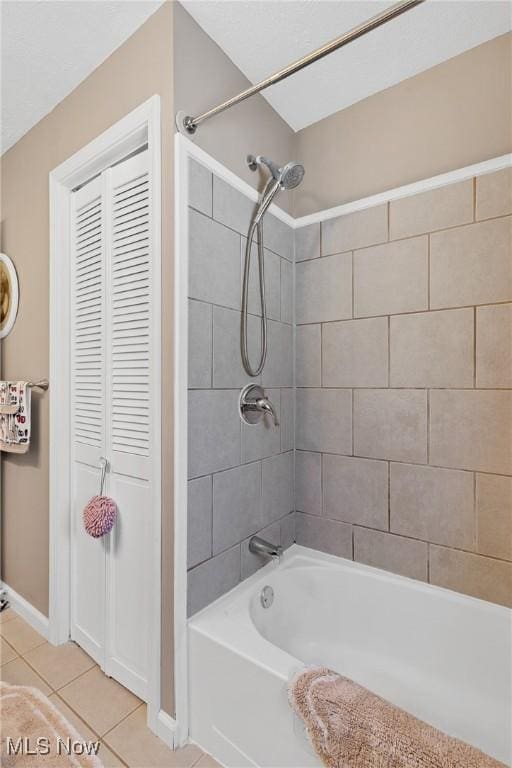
189, 124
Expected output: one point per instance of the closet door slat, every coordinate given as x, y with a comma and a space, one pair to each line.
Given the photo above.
130, 291
88, 368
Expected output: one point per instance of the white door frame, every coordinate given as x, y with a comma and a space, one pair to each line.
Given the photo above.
140, 127
185, 149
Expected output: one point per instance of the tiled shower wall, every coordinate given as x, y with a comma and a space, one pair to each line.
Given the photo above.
240, 477
404, 376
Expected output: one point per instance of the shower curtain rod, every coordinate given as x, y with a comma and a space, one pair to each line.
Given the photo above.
188, 124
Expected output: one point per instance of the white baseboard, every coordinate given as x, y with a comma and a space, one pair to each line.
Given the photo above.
165, 728
23, 608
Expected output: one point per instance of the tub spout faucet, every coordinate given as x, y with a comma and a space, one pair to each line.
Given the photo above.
254, 405
266, 406
264, 548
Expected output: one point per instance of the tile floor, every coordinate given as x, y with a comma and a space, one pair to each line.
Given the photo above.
98, 707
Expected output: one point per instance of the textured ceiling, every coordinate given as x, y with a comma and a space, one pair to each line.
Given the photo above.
49, 46
261, 37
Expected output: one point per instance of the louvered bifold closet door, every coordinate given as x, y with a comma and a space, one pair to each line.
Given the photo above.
88, 384
130, 405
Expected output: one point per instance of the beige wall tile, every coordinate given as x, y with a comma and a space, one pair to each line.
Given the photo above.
406, 557
494, 515
494, 346
494, 194
432, 349
307, 242
391, 424
355, 353
437, 209
308, 482
471, 430
471, 574
471, 265
323, 289
355, 230
391, 278
324, 420
355, 490
433, 504
329, 536
308, 356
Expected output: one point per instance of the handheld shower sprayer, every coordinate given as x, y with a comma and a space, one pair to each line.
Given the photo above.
285, 178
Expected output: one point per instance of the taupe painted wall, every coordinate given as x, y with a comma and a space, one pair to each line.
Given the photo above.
450, 116
140, 68
204, 77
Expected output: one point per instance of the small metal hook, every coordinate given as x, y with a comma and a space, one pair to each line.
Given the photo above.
103, 465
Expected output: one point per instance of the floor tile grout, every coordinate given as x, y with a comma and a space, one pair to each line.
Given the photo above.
96, 734
57, 694
86, 722
123, 719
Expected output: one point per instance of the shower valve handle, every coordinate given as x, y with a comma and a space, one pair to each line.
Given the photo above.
254, 404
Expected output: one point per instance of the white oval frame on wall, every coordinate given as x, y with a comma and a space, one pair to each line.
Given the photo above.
15, 295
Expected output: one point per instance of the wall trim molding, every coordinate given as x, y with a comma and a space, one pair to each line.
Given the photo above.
183, 149
196, 153
425, 185
138, 128
407, 190
26, 611
166, 728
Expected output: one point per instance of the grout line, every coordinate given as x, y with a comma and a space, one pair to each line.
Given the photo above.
424, 310
321, 355
428, 562
428, 273
322, 486
348, 387
142, 704
474, 199
475, 516
428, 426
367, 527
389, 351
352, 414
410, 462
353, 286
57, 692
6, 621
82, 718
74, 678
389, 496
474, 345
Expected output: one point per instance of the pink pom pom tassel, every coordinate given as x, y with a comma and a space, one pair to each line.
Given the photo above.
99, 516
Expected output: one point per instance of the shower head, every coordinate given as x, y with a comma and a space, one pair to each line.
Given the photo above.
288, 177
291, 175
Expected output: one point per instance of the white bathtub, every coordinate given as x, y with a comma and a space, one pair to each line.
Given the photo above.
442, 656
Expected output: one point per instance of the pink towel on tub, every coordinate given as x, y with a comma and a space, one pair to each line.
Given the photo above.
350, 727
